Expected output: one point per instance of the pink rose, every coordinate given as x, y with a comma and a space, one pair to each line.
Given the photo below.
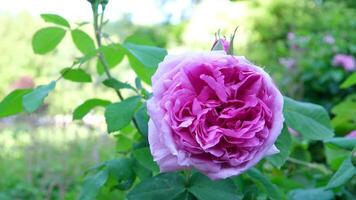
346, 61
215, 112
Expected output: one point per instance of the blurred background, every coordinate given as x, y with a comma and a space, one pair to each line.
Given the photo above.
308, 46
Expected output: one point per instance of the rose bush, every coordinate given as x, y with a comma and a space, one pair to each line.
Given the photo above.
215, 112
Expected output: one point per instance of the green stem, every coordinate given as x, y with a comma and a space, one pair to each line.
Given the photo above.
321, 168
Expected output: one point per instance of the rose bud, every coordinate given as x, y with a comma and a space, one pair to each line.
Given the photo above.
214, 112
221, 45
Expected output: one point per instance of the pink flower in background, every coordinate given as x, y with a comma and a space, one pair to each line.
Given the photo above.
215, 112
352, 134
23, 82
346, 61
291, 36
288, 63
329, 39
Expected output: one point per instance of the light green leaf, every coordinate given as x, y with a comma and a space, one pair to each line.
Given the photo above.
84, 108
92, 185
55, 19
116, 84
76, 75
123, 143
12, 103
345, 117
311, 120
46, 39
83, 41
343, 174
205, 189
350, 81
33, 100
113, 54
144, 157
310, 194
118, 115
283, 143
335, 155
263, 182
343, 142
164, 186
144, 59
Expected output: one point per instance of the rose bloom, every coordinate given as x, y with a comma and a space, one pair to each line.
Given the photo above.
215, 112
346, 61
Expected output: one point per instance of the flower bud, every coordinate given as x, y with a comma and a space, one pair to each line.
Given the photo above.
221, 45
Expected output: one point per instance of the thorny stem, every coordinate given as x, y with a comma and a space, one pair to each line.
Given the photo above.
310, 165
98, 28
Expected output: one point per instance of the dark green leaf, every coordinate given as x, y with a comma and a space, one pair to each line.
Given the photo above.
56, 19
46, 39
121, 170
343, 174
343, 142
144, 157
76, 75
263, 182
186, 195
118, 115
116, 84
310, 194
113, 54
142, 120
350, 81
164, 186
283, 143
92, 185
33, 100
311, 120
205, 189
87, 106
83, 41
12, 103
144, 59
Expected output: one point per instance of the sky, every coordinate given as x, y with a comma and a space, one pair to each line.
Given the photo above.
143, 12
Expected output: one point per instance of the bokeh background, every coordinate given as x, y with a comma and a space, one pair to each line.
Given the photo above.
44, 155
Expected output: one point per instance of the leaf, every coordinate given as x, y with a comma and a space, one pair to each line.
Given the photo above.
164, 186
46, 39
350, 81
123, 143
12, 103
311, 120
310, 194
121, 170
55, 19
118, 115
76, 75
142, 120
116, 84
83, 41
205, 189
84, 108
343, 142
93, 184
283, 143
343, 174
113, 54
335, 155
345, 118
144, 59
263, 182
144, 157
33, 100
186, 195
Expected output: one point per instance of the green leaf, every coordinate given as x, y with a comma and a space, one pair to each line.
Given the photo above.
55, 19
219, 46
76, 75
283, 143
33, 100
205, 189
343, 142
118, 115
46, 39
263, 182
144, 59
144, 157
92, 185
310, 194
343, 174
311, 120
350, 81
335, 155
345, 118
121, 170
84, 108
123, 143
164, 186
113, 54
83, 41
142, 120
12, 103
116, 84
